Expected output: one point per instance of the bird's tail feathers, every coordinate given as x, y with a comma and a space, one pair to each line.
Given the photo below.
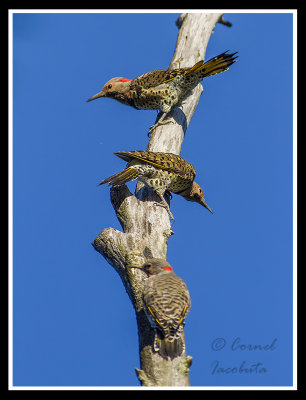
213, 66
122, 177
168, 347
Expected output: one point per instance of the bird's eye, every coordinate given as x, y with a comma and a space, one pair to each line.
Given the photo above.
109, 86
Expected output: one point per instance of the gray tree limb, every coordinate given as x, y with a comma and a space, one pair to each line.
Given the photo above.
146, 228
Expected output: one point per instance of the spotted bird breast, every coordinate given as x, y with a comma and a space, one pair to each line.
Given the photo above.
154, 90
157, 98
152, 176
161, 179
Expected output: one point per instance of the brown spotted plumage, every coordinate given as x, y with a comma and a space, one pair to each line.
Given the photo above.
166, 303
162, 172
163, 89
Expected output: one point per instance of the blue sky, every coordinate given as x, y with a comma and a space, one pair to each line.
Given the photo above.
73, 324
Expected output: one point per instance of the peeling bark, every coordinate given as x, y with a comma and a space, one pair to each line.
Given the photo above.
146, 228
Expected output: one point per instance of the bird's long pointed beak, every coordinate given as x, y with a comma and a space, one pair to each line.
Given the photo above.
96, 96
206, 206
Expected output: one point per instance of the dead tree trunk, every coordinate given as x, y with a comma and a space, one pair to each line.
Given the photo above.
146, 228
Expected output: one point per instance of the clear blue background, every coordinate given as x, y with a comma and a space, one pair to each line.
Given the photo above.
73, 322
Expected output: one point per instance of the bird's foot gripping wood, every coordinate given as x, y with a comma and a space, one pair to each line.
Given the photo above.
160, 122
165, 205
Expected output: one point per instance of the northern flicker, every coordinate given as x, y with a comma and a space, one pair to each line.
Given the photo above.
163, 89
161, 172
166, 303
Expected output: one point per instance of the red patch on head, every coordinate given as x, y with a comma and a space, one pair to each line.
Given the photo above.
124, 80
167, 269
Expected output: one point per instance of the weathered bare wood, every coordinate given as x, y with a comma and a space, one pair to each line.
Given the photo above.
146, 228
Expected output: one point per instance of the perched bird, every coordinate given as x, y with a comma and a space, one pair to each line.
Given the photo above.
163, 89
166, 303
162, 172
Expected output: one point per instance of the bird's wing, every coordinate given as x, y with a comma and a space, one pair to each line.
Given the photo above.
166, 161
182, 71
155, 78
160, 76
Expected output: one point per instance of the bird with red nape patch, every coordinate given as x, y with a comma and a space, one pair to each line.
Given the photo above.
163, 89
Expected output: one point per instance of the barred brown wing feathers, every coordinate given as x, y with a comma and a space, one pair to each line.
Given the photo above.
155, 78
167, 161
